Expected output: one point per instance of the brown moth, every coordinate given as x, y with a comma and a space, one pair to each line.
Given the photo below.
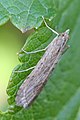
36, 80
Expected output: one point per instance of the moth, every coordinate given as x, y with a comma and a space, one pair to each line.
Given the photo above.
35, 81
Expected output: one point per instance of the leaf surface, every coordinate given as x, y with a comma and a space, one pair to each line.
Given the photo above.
25, 14
60, 98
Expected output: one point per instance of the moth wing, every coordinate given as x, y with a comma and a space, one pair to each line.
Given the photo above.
26, 94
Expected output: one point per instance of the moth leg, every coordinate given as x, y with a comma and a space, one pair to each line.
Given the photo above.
65, 49
19, 71
33, 52
49, 27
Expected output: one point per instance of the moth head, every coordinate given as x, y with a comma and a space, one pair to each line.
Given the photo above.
65, 35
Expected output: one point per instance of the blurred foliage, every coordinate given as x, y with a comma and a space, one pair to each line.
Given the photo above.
11, 41
60, 99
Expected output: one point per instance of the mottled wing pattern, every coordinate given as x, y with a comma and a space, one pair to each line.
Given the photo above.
27, 93
34, 83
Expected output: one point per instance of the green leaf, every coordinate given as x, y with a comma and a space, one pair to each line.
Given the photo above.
60, 98
26, 14
5, 116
